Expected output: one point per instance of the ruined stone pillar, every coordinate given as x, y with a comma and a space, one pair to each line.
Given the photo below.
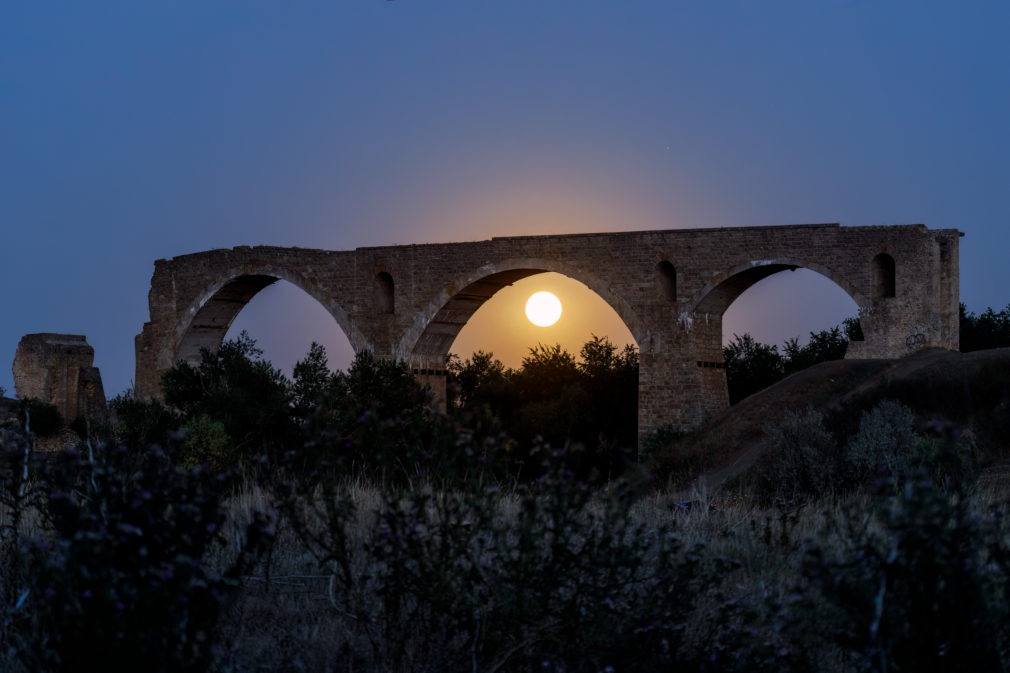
58, 369
681, 377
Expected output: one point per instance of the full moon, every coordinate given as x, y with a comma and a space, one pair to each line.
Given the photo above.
543, 309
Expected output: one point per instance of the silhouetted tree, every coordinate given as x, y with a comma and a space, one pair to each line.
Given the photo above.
312, 381
240, 390
480, 381
828, 344
987, 330
589, 404
750, 366
611, 379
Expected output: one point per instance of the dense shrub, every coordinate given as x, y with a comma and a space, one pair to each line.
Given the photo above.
885, 444
829, 344
556, 575
141, 423
806, 462
990, 329
116, 577
802, 461
752, 366
928, 590
589, 403
246, 394
44, 420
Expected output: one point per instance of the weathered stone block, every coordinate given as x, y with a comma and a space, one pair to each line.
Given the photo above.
58, 369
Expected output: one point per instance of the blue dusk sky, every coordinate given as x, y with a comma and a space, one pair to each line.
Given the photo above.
132, 131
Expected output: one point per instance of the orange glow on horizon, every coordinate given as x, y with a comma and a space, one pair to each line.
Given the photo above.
500, 327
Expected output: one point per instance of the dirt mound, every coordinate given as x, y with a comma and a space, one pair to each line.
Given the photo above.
968, 390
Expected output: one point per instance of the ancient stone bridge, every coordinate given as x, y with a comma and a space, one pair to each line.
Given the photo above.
670, 287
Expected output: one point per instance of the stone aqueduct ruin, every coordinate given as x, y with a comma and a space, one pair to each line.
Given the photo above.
669, 287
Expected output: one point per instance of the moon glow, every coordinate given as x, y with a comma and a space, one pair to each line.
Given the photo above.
543, 309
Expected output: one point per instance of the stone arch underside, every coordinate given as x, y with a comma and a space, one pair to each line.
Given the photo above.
724, 288
434, 331
219, 304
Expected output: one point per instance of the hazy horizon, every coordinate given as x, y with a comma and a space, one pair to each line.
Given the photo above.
135, 131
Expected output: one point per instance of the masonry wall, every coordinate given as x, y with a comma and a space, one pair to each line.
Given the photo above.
58, 369
435, 288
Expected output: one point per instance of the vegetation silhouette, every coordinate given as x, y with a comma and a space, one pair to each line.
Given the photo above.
868, 550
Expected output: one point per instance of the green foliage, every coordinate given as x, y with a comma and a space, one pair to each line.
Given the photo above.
20, 495
853, 329
117, 579
829, 344
141, 423
43, 419
553, 405
804, 461
569, 579
987, 330
662, 436
480, 382
885, 444
750, 366
926, 591
375, 420
385, 388
206, 443
589, 404
801, 462
243, 392
312, 381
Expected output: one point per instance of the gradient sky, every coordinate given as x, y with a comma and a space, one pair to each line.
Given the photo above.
131, 131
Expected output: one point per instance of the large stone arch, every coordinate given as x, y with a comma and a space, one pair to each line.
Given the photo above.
669, 286
724, 287
692, 358
206, 321
433, 330
426, 342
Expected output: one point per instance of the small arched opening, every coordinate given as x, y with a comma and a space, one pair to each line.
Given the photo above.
667, 280
384, 297
883, 276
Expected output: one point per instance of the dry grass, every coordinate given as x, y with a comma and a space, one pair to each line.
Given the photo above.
290, 622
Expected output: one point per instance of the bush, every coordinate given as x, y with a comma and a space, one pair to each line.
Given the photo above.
44, 420
117, 578
801, 462
990, 329
243, 392
750, 366
885, 444
557, 575
660, 438
141, 423
927, 591
589, 403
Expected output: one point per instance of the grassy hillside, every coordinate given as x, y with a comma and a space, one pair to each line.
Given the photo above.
971, 391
